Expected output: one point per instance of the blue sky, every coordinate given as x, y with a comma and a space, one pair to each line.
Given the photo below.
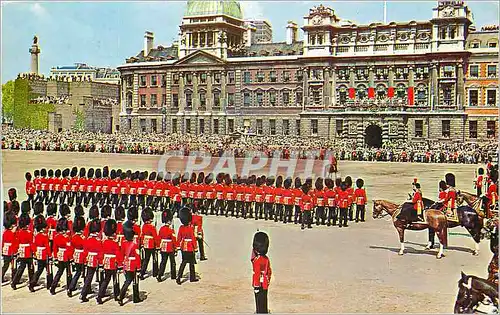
105, 33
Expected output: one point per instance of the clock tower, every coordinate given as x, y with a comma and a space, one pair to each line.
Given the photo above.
318, 27
451, 20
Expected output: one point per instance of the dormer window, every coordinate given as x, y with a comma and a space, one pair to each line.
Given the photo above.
474, 45
492, 45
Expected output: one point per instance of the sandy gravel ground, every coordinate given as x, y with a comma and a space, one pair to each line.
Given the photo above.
326, 269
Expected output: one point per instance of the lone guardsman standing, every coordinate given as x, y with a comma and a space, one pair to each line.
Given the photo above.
261, 271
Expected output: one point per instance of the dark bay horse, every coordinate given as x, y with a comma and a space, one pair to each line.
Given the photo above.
472, 201
435, 220
476, 295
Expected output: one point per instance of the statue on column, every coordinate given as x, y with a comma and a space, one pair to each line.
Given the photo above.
35, 40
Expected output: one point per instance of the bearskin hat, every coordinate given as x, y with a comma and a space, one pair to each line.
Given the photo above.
57, 173
128, 173
260, 243
119, 172
152, 176
24, 220
5, 206
159, 176
305, 188
298, 182
168, 177
39, 223
287, 183
442, 185
36, 173
494, 175
27, 176
319, 183
185, 177
26, 207
98, 173
259, 181
139, 175
105, 172
128, 231
480, 171
90, 173
64, 210
185, 215
343, 186
201, 178
51, 209
65, 172
50, 173
62, 225
112, 174
360, 183
309, 182
38, 208
43, 172
12, 194
270, 181
348, 181
110, 227
338, 182
120, 213
14, 207
74, 171
93, 212
449, 178
146, 174
192, 178
417, 185
329, 183
166, 216
95, 226
9, 219
79, 212
82, 172
209, 178
78, 224
123, 176
227, 179
219, 178
279, 181
106, 211
132, 214
147, 214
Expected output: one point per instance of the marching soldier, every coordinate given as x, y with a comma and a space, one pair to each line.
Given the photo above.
63, 252
209, 194
478, 182
330, 196
492, 194
25, 256
350, 193
288, 200
65, 186
306, 207
259, 198
131, 263
82, 182
30, 189
93, 250
112, 259
219, 191
119, 217
79, 255
319, 195
10, 244
278, 195
168, 245
249, 197
197, 221
230, 195
343, 204
261, 271
93, 216
42, 253
149, 242
187, 244
360, 197
73, 183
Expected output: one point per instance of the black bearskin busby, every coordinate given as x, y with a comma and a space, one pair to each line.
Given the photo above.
168, 177
279, 182
185, 215
494, 175
39, 223
159, 176
166, 216
105, 172
79, 212
319, 183
260, 243
305, 188
360, 183
119, 173
192, 179
442, 185
74, 171
64, 210
14, 207
152, 176
298, 182
450, 179
128, 231
236, 179
480, 171
288, 183
106, 211
43, 172
62, 225
343, 186
309, 182
27, 176
57, 174
112, 175
128, 174
145, 174
147, 214
51, 209
38, 208
93, 212
120, 213
329, 183
12, 194
201, 178
98, 173
110, 227
78, 224
95, 226
123, 176
82, 172
209, 178
65, 172
185, 177
36, 173
24, 220
26, 207
9, 220
132, 214
50, 173
227, 179
338, 182
220, 178
417, 185
259, 181
348, 181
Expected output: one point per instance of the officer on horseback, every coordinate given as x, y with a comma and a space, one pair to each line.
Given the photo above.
418, 203
451, 197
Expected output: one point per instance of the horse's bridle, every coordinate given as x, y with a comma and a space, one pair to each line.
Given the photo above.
382, 213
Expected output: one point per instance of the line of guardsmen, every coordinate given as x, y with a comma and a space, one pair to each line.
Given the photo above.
268, 198
101, 248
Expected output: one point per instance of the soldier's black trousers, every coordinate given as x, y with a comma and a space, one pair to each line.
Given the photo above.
23, 262
306, 219
209, 206
479, 191
332, 216
239, 208
288, 213
41, 265
108, 274
147, 256
219, 207
201, 246
31, 200
61, 267
268, 211
351, 212
187, 258
7, 260
88, 281
360, 212
230, 207
164, 257
320, 215
247, 210
279, 213
130, 276
343, 217
297, 215
259, 210
261, 300
74, 281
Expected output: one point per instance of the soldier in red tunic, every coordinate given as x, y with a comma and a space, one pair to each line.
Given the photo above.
187, 244
478, 182
197, 222
112, 260
93, 249
42, 254
288, 200
73, 183
49, 186
343, 204
37, 183
307, 204
319, 195
297, 199
278, 195
82, 185
219, 192
198, 193
492, 193
261, 271
79, 256
451, 197
149, 242
240, 196
65, 186
56, 186
360, 198
43, 185
350, 194
25, 257
63, 252
93, 216
230, 195
131, 263
168, 245
330, 198
9, 244
30, 188
119, 217
259, 197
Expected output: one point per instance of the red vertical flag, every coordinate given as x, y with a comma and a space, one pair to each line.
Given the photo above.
371, 92
411, 96
390, 92
352, 93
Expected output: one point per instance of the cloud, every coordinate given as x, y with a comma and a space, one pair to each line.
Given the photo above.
252, 10
38, 10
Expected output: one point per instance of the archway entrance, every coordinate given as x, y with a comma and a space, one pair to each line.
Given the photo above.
373, 136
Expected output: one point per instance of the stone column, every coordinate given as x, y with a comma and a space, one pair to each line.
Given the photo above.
434, 86
135, 93
223, 91
196, 96
460, 86
209, 98
34, 51
351, 77
391, 76
411, 76
333, 95
305, 102
371, 80
182, 97
326, 87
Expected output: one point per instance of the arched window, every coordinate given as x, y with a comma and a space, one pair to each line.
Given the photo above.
361, 92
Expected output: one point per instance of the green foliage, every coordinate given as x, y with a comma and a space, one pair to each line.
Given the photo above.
8, 99
26, 115
79, 120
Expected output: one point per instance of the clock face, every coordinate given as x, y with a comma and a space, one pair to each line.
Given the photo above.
448, 12
317, 20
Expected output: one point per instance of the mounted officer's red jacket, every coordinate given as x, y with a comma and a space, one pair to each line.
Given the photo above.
261, 272
168, 241
186, 238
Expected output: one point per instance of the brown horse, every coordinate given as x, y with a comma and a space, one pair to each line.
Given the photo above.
435, 220
473, 201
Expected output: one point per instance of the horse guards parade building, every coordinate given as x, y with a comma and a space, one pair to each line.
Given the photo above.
417, 80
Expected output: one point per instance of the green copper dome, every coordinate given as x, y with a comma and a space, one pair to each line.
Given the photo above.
206, 7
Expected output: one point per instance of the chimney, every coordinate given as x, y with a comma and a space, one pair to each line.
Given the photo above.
148, 42
291, 32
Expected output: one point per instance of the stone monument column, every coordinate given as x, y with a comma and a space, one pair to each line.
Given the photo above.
34, 51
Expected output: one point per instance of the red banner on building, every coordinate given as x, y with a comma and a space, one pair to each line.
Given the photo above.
390, 92
352, 93
411, 96
371, 92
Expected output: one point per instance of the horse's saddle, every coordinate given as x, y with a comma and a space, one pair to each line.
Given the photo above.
407, 212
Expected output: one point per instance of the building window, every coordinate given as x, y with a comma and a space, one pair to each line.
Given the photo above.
419, 128
230, 76
299, 97
217, 77
246, 99
230, 125
286, 76
286, 97
203, 78
153, 125
216, 99
299, 75
297, 127
154, 80
202, 126
492, 45
339, 127
216, 126
286, 127
491, 97
272, 76
203, 100
272, 98
473, 129
474, 71
475, 45
143, 100
259, 127
174, 125
189, 100
142, 80
247, 78
154, 100
188, 125
176, 79
445, 128
142, 124
260, 76
473, 97
491, 129
189, 78
316, 97
175, 100
314, 127
163, 80
448, 95
163, 100
129, 100
260, 98
230, 99
492, 71
272, 127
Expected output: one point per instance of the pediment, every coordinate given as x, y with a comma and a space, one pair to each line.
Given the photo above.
200, 57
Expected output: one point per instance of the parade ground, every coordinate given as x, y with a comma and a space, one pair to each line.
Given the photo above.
321, 270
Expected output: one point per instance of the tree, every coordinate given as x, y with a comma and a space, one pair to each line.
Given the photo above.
8, 100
